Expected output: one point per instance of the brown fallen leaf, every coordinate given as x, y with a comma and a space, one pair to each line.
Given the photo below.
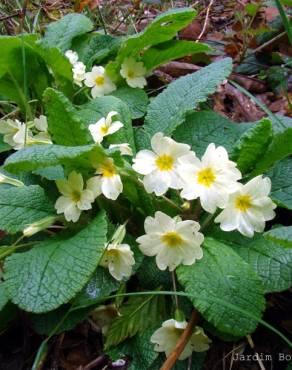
245, 106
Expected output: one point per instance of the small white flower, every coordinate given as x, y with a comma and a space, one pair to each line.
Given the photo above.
248, 208
134, 73
79, 73
211, 179
75, 198
105, 126
72, 56
15, 133
160, 166
109, 182
100, 83
119, 259
166, 338
43, 137
171, 240
124, 148
41, 123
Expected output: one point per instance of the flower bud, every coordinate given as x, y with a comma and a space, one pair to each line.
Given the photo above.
39, 226
10, 180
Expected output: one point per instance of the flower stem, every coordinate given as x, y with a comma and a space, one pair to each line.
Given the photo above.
173, 276
183, 341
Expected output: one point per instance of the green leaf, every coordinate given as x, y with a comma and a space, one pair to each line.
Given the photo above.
92, 111
170, 50
136, 99
59, 64
271, 262
221, 275
163, 28
252, 145
3, 296
64, 123
280, 147
95, 48
281, 177
18, 62
61, 33
136, 315
41, 156
52, 273
46, 323
51, 173
21, 206
139, 349
3, 146
281, 235
197, 362
167, 110
205, 127
101, 284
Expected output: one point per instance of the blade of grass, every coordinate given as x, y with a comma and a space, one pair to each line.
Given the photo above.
183, 294
285, 20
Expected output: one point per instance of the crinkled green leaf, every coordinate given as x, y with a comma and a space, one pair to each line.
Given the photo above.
46, 323
18, 62
163, 28
168, 109
51, 173
281, 177
205, 127
61, 33
64, 124
53, 272
136, 99
252, 145
3, 296
281, 235
95, 48
41, 156
271, 262
222, 276
21, 206
101, 284
136, 315
197, 362
170, 50
92, 111
279, 148
139, 349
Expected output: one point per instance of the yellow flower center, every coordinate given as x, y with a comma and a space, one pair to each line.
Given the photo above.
243, 203
104, 130
99, 80
108, 169
76, 196
172, 239
206, 177
164, 162
131, 74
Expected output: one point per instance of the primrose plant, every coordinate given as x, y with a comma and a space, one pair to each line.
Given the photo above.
154, 210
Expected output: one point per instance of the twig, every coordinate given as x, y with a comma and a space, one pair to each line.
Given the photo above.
205, 22
98, 361
4, 18
269, 42
183, 340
